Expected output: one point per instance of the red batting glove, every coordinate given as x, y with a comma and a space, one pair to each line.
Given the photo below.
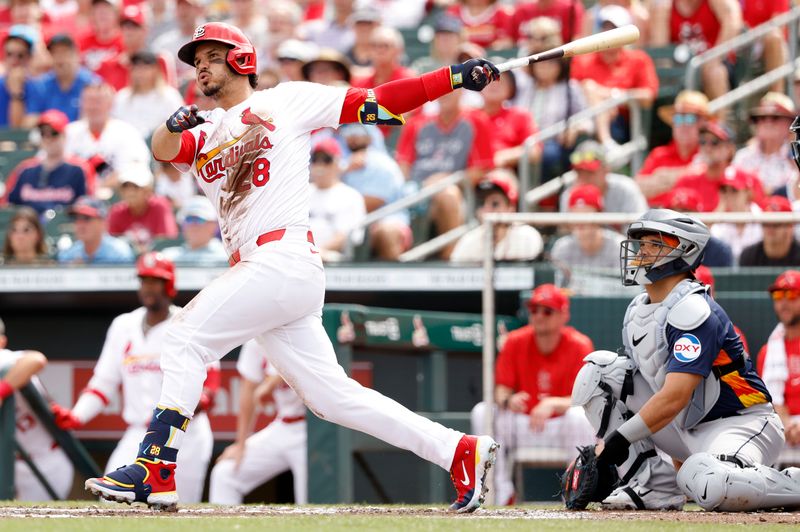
64, 418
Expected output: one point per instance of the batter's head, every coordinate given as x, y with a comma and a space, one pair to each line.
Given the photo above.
682, 242
242, 54
154, 264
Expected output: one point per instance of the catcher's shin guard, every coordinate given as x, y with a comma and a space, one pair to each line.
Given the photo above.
728, 486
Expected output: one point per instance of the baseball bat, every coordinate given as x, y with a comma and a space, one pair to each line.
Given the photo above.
604, 40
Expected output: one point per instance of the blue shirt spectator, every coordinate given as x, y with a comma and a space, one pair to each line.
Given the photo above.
199, 228
17, 88
94, 245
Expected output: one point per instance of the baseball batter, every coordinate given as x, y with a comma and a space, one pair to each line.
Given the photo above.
20, 367
131, 359
684, 385
244, 465
250, 156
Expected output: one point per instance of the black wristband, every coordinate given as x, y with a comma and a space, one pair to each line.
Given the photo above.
18, 97
615, 450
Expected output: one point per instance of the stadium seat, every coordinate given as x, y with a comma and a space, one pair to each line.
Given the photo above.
15, 147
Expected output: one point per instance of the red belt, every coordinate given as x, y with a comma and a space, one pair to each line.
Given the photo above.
293, 419
272, 236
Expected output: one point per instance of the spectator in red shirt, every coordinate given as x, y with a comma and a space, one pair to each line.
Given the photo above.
716, 149
103, 40
116, 70
386, 51
779, 360
665, 164
511, 126
568, 12
775, 53
485, 22
431, 147
140, 216
604, 73
533, 386
697, 26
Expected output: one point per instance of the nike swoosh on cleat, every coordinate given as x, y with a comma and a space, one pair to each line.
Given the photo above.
637, 341
466, 476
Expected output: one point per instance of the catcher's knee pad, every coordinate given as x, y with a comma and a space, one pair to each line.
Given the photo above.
729, 486
602, 385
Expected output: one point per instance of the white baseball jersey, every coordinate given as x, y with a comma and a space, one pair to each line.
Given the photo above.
132, 359
252, 160
120, 144
31, 435
253, 365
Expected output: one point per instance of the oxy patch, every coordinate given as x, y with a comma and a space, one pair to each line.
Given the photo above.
687, 348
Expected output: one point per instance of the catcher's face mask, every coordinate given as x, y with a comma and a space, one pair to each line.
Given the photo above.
639, 255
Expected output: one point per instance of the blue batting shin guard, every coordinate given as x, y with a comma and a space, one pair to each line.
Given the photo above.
164, 435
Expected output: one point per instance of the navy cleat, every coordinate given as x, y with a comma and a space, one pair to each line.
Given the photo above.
149, 481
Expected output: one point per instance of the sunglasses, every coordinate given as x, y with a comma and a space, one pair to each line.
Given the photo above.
48, 133
757, 119
193, 220
684, 119
728, 190
83, 218
584, 157
791, 295
17, 55
539, 309
321, 158
710, 142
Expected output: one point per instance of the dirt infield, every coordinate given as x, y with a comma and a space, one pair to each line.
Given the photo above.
65, 510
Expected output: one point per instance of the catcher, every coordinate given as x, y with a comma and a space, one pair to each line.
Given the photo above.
683, 385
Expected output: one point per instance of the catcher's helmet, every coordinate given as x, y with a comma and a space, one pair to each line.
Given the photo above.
242, 55
683, 240
154, 264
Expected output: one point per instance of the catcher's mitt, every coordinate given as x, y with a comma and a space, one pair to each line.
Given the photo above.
587, 479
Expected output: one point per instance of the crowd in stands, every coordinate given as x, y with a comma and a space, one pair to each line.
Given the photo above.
92, 79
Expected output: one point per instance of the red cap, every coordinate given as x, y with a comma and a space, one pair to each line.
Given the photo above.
718, 129
550, 296
586, 196
777, 204
495, 180
733, 178
685, 199
55, 119
704, 275
327, 145
133, 13
788, 280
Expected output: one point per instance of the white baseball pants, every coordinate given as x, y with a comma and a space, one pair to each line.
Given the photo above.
276, 294
56, 468
269, 452
190, 475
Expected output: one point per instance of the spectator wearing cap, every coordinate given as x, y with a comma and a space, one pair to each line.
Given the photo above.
511, 125
717, 254
448, 36
292, 54
567, 13
178, 187
106, 143
588, 245
116, 70
604, 73
148, 98
386, 51
778, 360
695, 26
17, 86
335, 208
665, 164
103, 40
61, 87
140, 216
328, 67
433, 146
638, 11
378, 178
48, 180
189, 14
534, 374
498, 193
620, 193
93, 243
199, 229
716, 151
767, 153
735, 196
486, 22
364, 20
779, 247
28, 13
335, 31
283, 19
544, 89
249, 17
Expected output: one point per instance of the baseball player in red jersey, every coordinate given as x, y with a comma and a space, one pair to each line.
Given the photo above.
130, 361
250, 156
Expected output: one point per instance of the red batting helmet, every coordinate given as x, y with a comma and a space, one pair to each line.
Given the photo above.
242, 55
154, 264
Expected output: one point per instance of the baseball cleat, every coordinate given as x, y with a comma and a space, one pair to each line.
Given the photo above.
147, 481
474, 456
641, 498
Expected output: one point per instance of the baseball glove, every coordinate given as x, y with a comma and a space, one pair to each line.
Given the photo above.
587, 479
